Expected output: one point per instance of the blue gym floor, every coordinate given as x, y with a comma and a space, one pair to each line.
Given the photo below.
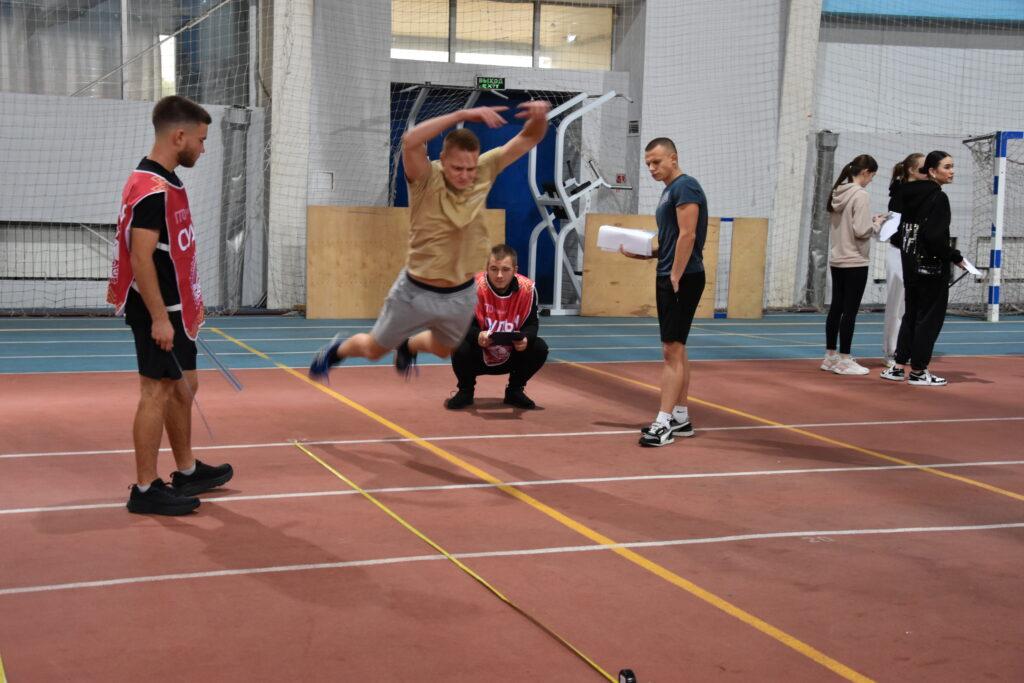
31, 345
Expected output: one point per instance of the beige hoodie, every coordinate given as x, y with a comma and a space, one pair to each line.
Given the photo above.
852, 227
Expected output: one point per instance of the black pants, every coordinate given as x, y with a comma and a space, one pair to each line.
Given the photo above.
468, 363
926, 300
847, 289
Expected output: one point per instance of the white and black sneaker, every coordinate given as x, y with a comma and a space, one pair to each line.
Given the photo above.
925, 379
893, 374
678, 428
658, 434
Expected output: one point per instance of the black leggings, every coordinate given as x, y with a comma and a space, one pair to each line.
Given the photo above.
847, 289
926, 300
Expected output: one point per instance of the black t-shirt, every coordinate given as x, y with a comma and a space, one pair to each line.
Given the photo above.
150, 214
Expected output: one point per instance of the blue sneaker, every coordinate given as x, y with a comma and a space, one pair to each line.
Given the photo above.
405, 360
324, 360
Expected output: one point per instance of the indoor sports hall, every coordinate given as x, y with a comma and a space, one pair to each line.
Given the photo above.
816, 526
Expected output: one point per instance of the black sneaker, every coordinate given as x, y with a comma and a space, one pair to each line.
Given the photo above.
204, 478
405, 360
460, 400
518, 398
658, 434
925, 379
160, 499
678, 428
324, 360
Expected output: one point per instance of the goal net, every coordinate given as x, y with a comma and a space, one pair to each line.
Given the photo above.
994, 238
310, 99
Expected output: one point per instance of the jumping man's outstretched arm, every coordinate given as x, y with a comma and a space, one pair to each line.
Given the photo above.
536, 114
414, 142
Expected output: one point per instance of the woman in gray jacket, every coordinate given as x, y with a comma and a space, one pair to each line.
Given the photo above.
850, 236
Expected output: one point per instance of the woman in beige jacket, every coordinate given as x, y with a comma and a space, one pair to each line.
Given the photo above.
852, 227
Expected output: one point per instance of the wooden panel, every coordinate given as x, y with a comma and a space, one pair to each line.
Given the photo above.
706, 306
353, 254
746, 267
614, 285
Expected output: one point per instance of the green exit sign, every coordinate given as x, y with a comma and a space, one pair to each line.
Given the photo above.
490, 83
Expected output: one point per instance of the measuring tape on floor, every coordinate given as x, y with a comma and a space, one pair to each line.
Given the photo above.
3, 676
458, 563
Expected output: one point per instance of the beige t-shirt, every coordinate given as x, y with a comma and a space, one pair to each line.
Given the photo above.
447, 236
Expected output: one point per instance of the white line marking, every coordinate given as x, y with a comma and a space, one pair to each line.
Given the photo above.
265, 365
528, 435
707, 323
705, 332
186, 576
539, 482
558, 349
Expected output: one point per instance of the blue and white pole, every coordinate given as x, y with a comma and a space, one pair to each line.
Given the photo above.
995, 262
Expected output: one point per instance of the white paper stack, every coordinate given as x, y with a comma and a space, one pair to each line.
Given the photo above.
633, 241
889, 227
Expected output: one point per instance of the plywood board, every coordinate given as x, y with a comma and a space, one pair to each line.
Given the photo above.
615, 285
706, 305
746, 268
353, 254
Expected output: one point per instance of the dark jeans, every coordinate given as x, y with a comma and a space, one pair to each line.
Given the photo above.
847, 289
926, 299
468, 363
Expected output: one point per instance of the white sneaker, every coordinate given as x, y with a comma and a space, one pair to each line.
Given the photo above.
925, 379
829, 362
893, 373
848, 366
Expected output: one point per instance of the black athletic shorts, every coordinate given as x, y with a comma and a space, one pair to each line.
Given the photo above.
154, 362
676, 310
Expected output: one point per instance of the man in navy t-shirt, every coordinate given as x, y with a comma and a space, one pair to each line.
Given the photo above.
682, 217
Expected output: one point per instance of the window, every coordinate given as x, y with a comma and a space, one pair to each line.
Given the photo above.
168, 77
419, 30
525, 33
575, 37
494, 32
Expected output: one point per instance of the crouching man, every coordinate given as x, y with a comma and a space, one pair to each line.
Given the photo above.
502, 338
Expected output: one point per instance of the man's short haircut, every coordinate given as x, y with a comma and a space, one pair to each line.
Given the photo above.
502, 251
463, 139
661, 142
174, 110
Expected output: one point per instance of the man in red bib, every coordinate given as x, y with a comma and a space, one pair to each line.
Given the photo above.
154, 283
502, 337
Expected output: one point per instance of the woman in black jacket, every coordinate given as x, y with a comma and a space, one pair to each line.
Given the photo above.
926, 255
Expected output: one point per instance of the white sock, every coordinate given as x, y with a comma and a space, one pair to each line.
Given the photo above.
142, 488
681, 414
190, 471
663, 418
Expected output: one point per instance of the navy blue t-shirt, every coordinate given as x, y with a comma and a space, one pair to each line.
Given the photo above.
683, 190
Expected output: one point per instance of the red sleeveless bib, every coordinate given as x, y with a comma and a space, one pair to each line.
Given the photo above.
182, 247
502, 313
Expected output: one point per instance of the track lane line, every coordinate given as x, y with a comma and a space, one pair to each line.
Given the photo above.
757, 623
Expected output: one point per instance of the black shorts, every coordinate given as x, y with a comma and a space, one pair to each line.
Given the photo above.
154, 362
676, 310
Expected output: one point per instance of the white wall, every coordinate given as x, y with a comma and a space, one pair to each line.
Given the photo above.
65, 160
888, 94
350, 107
711, 83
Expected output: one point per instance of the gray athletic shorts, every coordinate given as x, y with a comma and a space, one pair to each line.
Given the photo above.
412, 307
